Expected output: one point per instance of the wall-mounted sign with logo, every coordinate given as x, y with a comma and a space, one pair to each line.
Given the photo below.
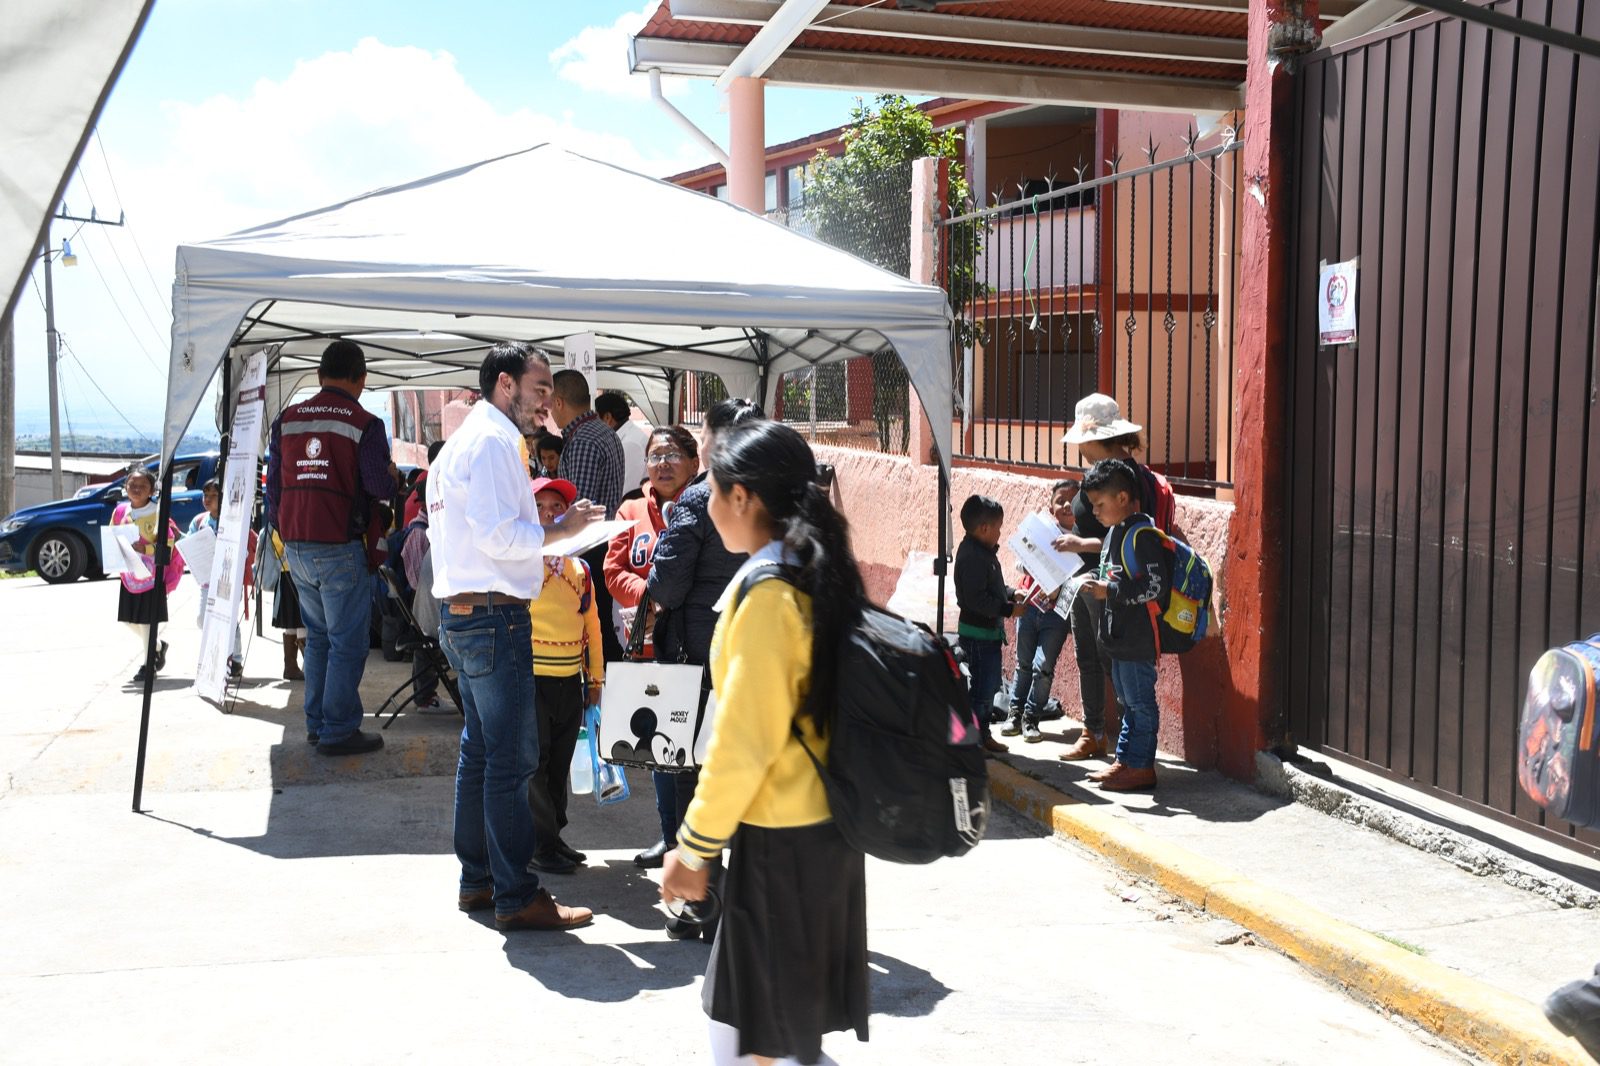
580, 350
1336, 303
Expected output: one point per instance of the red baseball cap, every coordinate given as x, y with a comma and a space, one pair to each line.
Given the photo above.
567, 489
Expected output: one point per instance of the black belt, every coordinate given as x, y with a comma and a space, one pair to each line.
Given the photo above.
485, 599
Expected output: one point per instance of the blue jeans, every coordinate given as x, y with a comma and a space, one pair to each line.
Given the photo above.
983, 663
1135, 683
336, 607
1040, 635
491, 650
673, 793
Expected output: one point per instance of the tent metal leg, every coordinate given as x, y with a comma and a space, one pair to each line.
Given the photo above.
163, 556
940, 567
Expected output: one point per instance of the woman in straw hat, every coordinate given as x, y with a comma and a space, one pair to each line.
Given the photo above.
1100, 432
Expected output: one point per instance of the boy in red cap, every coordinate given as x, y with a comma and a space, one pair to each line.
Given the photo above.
568, 670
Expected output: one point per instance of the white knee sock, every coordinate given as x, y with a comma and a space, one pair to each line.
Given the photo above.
725, 1049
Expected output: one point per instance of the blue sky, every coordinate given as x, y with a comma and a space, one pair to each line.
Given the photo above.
234, 112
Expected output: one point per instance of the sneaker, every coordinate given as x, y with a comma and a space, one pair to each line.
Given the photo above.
1013, 726
1030, 731
357, 743
429, 705
161, 657
235, 669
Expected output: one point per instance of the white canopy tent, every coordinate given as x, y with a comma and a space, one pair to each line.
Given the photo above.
538, 245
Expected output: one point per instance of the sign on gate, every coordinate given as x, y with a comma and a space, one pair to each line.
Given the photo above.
225, 592
1336, 303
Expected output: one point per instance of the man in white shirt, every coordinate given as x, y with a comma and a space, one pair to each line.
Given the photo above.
487, 547
613, 409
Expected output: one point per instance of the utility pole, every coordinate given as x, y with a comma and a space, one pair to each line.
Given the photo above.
8, 419
55, 405
53, 356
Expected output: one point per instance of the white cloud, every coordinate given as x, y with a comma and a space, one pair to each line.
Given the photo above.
597, 59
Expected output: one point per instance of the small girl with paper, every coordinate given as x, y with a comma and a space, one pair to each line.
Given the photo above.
1043, 627
140, 604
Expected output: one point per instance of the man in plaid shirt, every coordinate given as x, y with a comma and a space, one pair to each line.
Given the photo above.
592, 459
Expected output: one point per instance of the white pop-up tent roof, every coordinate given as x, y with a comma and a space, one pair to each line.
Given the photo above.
538, 245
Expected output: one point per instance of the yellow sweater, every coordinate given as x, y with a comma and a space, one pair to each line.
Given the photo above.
755, 770
564, 637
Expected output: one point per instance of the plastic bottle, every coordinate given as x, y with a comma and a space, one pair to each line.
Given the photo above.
582, 771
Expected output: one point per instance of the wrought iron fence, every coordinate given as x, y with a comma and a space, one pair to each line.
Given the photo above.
1122, 284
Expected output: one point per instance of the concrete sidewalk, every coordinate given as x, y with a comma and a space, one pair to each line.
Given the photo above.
1469, 957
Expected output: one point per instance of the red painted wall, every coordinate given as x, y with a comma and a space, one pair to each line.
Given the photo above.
891, 505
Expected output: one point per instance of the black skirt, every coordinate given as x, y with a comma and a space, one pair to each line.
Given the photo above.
142, 608
286, 604
790, 959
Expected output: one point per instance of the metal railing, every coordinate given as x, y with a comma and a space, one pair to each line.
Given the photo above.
1123, 285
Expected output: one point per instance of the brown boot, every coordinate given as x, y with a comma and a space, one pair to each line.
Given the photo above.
1127, 779
1101, 775
291, 668
1089, 746
544, 913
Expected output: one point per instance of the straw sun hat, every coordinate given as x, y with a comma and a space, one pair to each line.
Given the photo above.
1097, 417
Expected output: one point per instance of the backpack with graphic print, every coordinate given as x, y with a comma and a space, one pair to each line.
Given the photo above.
906, 777
1558, 754
1182, 613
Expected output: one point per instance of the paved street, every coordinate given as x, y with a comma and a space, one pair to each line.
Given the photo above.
312, 918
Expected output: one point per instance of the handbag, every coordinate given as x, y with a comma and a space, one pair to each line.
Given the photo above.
654, 715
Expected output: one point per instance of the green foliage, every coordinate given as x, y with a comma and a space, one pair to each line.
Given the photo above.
861, 202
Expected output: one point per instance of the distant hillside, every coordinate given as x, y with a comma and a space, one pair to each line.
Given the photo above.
97, 444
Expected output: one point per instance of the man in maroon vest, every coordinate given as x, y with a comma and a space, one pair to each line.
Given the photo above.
329, 464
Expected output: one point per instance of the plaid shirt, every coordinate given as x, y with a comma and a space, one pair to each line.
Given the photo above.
591, 458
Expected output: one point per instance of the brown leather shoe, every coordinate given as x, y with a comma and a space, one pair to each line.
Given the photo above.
1089, 746
544, 913
478, 900
993, 746
1101, 775
1127, 779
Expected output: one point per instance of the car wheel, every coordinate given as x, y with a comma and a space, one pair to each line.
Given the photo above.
60, 557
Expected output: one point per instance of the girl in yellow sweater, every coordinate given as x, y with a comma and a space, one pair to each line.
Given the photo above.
790, 958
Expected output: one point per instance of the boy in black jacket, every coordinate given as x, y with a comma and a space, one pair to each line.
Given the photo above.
986, 601
1133, 582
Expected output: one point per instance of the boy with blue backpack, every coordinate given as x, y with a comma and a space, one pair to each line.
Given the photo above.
1156, 592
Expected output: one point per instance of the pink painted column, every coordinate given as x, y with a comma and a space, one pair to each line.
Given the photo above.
747, 144
1278, 29
927, 186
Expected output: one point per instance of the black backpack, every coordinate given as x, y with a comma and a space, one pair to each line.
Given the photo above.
906, 777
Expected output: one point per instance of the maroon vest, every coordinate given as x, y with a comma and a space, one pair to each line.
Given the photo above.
319, 473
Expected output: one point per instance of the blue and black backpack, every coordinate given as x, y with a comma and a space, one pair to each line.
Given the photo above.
1182, 614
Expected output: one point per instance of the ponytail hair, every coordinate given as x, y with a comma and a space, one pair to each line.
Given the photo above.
776, 465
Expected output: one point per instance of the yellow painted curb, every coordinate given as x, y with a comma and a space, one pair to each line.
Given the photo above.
1470, 1014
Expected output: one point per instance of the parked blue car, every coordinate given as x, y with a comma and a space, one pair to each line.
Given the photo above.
61, 540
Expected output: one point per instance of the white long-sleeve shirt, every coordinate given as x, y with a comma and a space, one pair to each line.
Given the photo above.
482, 522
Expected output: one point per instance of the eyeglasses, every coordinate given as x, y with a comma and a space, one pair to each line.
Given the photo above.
662, 458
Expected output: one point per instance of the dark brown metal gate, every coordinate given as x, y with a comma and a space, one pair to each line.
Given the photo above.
1444, 497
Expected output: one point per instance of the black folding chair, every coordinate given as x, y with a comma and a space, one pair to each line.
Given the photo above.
417, 643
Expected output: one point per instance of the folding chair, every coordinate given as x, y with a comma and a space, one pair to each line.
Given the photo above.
417, 643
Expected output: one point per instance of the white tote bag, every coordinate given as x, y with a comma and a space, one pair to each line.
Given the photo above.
650, 713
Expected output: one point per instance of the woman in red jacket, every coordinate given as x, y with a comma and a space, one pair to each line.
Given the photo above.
672, 458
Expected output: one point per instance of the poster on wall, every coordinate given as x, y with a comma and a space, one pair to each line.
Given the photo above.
1336, 303
225, 591
581, 357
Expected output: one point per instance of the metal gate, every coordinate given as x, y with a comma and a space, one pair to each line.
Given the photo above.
1444, 489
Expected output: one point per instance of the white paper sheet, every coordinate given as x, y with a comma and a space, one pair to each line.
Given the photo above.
117, 554
596, 534
1050, 569
198, 549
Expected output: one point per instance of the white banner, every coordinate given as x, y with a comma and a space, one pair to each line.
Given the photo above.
581, 357
225, 591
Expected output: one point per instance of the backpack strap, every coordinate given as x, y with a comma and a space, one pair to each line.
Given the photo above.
1130, 561
763, 572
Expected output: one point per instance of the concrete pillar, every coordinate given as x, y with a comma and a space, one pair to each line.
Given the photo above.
747, 144
928, 176
1252, 627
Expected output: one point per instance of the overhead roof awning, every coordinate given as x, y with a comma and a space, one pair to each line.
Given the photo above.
1177, 55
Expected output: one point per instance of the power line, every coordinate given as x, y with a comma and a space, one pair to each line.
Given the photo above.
84, 370
164, 298
132, 289
132, 333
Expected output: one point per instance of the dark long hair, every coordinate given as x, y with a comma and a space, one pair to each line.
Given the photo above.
775, 464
